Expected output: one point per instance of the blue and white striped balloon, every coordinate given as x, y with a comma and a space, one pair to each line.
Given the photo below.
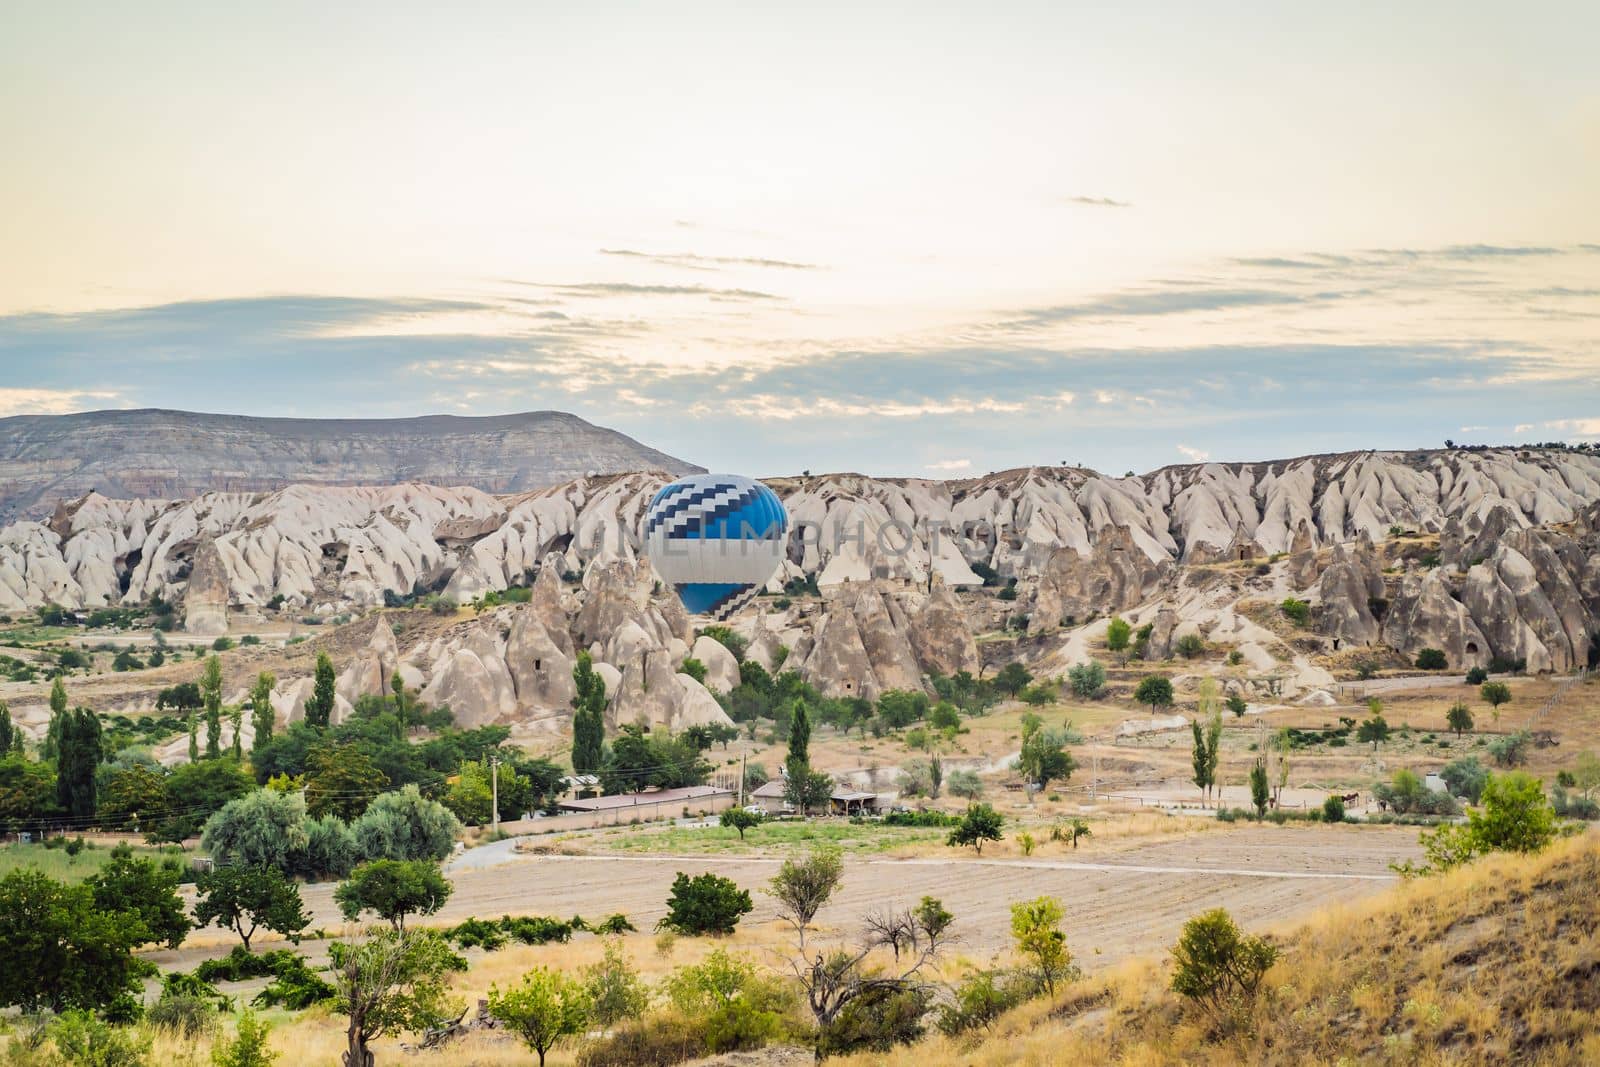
717, 538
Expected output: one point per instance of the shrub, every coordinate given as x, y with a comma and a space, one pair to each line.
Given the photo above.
1298, 611
936, 820
1333, 808
296, 988
1495, 693
1511, 750
1477, 676
477, 933
240, 964
1432, 659
183, 1015
1190, 645
983, 997
536, 930
1086, 679
1573, 805
705, 904
614, 924
876, 1022
1118, 632
616, 992
85, 1041
965, 784
981, 823
1465, 777
661, 1040
248, 1048
1218, 968
736, 1006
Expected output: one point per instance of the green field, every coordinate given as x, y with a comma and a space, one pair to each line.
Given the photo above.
56, 863
768, 837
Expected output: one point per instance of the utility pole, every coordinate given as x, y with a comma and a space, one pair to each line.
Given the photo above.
743, 759
494, 807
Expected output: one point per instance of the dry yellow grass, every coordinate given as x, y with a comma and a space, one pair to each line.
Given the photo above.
1496, 963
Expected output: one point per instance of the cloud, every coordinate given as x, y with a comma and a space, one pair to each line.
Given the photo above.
950, 465
1522, 427
692, 261
1580, 427
1194, 454
586, 289
53, 401
1097, 201
1173, 301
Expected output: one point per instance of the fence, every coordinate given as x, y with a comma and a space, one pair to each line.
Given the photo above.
619, 816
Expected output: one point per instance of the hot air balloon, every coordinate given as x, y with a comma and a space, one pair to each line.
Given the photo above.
716, 538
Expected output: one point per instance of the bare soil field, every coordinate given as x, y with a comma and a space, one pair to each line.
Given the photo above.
1118, 905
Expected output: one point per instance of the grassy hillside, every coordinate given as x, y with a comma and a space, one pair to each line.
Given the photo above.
1495, 963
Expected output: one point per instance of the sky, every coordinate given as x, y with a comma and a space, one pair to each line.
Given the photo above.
903, 239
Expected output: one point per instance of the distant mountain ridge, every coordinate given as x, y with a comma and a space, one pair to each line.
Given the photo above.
163, 454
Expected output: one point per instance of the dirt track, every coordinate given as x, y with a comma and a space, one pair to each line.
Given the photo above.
1126, 903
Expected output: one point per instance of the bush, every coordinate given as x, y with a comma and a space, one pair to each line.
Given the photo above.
1574, 805
736, 1007
1087, 679
477, 933
616, 992
1511, 750
705, 904
241, 964
1477, 676
983, 997
615, 924
248, 1048
1298, 611
1465, 777
1118, 633
183, 1015
536, 930
1432, 659
1407, 794
935, 820
1333, 808
876, 1022
1190, 645
296, 988
661, 1040
1218, 968
964, 784
85, 1041
222, 644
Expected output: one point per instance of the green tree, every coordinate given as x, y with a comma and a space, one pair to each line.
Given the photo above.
1087, 679
1333, 808
705, 904
1432, 659
980, 823
741, 820
1494, 694
1513, 815
1465, 777
1459, 718
1260, 793
1155, 691
1218, 967
245, 899
194, 739
405, 825
615, 990
134, 790
393, 889
544, 1009
9, 734
1036, 929
1586, 772
342, 781
802, 886
58, 709
62, 950
588, 720
27, 790
263, 828
1044, 758
1237, 705
391, 982
262, 717
799, 736
211, 693
77, 761
198, 790
1375, 729
1118, 633
1013, 678
807, 789
145, 888
319, 708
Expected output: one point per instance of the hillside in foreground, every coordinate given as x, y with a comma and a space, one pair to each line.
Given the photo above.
1494, 963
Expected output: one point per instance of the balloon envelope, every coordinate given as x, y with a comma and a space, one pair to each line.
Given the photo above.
716, 538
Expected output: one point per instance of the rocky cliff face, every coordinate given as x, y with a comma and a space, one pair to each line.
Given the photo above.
178, 454
1516, 574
